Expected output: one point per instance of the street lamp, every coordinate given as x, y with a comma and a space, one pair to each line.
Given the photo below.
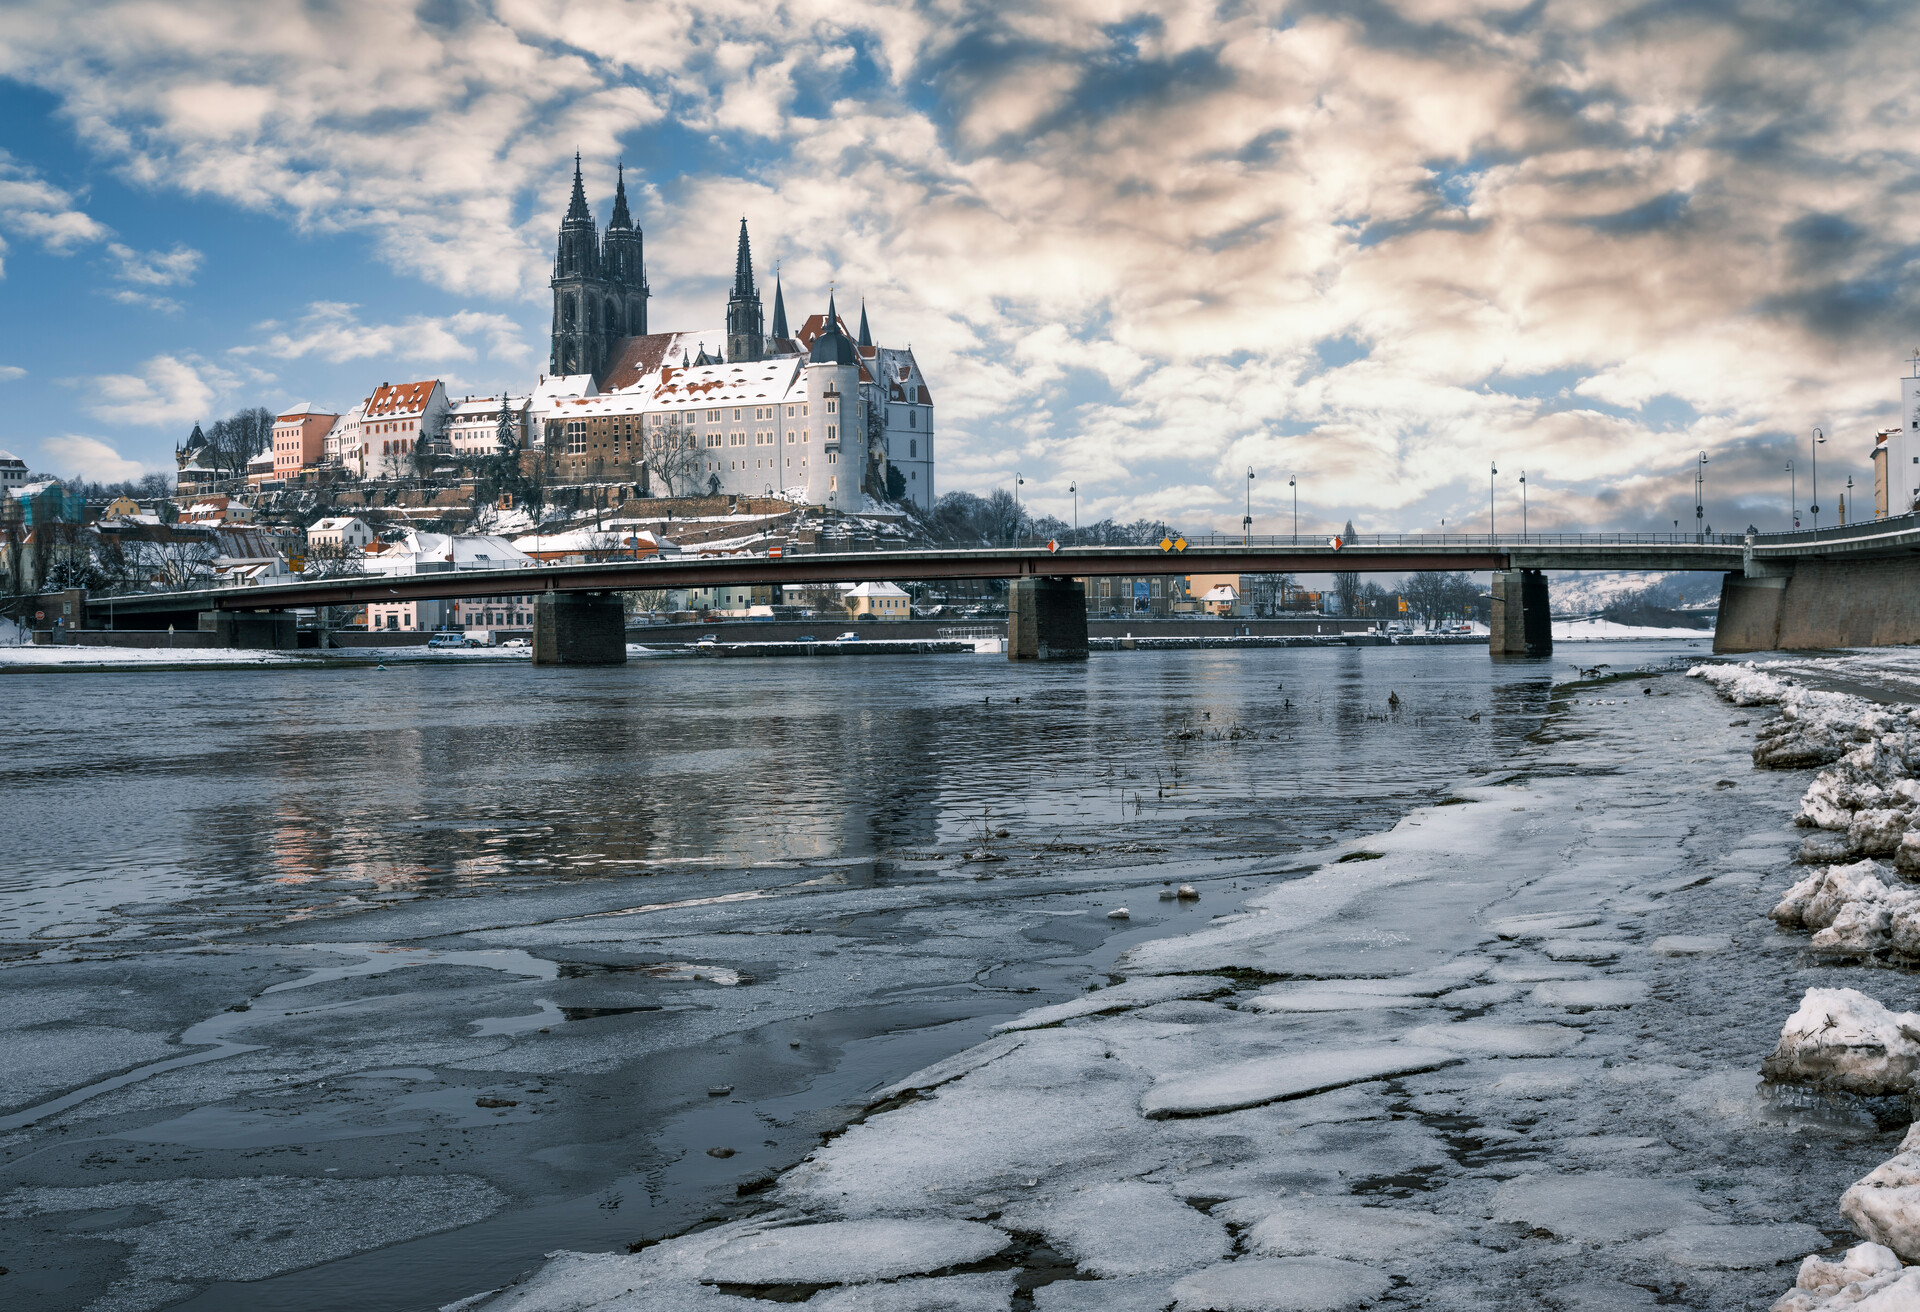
1699, 491
1246, 525
1793, 496
1017, 481
1523, 505
1843, 503
1819, 440
1074, 487
1294, 483
1492, 470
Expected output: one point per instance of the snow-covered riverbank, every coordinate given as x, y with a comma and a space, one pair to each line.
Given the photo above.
1504, 1055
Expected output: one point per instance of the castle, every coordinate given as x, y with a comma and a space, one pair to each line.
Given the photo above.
817, 415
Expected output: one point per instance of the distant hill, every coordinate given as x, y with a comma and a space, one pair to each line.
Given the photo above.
1577, 593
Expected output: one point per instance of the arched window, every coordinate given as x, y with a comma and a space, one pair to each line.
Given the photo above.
913, 448
566, 312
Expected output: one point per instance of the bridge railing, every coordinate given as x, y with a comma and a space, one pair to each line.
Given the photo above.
1865, 528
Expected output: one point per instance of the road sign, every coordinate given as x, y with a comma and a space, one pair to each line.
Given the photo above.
1052, 545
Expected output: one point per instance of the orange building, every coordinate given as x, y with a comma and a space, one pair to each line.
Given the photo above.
299, 439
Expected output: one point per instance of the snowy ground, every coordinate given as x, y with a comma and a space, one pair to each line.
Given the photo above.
1504, 1055
1598, 630
65, 657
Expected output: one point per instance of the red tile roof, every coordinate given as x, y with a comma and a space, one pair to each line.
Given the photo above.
392, 399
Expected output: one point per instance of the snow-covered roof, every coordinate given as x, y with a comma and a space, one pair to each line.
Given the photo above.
334, 523
875, 590
562, 387
304, 409
462, 551
1222, 592
484, 407
586, 539
391, 400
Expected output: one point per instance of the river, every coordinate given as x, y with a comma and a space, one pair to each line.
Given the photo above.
368, 987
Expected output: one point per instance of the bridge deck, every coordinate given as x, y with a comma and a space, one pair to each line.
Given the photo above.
1372, 554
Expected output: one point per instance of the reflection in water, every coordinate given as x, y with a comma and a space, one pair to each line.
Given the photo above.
273, 795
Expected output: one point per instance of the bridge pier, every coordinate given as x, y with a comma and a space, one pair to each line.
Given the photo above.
579, 628
1521, 624
1814, 605
1046, 619
251, 630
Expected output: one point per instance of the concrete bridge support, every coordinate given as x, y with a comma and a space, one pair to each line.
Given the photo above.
1811, 605
1521, 623
579, 628
1047, 619
251, 630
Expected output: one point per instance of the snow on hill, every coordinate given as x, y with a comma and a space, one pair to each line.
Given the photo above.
1588, 592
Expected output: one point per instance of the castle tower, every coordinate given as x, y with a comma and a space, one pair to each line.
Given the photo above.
746, 339
599, 289
780, 333
836, 418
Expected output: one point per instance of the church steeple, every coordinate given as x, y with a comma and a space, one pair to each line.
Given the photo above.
620, 219
780, 332
866, 338
746, 335
577, 210
599, 287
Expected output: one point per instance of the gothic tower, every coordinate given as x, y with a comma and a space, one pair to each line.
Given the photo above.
746, 338
626, 270
780, 333
599, 290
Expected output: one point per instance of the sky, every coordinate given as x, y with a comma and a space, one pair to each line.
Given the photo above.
1376, 248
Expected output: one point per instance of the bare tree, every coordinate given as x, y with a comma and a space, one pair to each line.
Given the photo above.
233, 441
673, 458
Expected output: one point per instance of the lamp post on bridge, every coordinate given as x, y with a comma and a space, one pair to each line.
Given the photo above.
1523, 505
1699, 493
1492, 471
1294, 483
1017, 481
1793, 496
1074, 487
1246, 525
1819, 440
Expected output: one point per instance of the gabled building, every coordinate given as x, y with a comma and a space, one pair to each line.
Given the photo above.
13, 472
399, 420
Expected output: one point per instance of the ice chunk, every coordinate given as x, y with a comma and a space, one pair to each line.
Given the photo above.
1859, 930
1145, 1294
980, 1292
1859, 882
1280, 1284
1330, 998
1330, 1229
1598, 1208
1689, 945
1580, 949
1877, 832
1124, 1229
1736, 1247
952, 1068
1842, 1039
1492, 1039
1121, 997
1853, 1282
1542, 924
1883, 1206
1590, 994
1291, 1075
849, 1252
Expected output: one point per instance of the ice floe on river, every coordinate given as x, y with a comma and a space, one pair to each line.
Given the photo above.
1507, 1059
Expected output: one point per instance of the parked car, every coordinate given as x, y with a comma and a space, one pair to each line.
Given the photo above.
848, 636
707, 640
807, 637
514, 642
447, 640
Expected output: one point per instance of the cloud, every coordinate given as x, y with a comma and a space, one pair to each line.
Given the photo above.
164, 304
332, 332
34, 208
9, 372
1119, 235
169, 390
89, 458
172, 268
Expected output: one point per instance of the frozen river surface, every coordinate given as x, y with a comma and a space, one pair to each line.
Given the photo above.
321, 994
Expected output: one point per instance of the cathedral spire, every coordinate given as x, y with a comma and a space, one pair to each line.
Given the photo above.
866, 338
743, 265
779, 308
577, 207
746, 334
620, 219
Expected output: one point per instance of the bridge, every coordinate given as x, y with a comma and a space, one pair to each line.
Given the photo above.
1780, 588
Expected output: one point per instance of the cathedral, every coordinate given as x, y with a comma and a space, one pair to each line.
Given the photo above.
839, 422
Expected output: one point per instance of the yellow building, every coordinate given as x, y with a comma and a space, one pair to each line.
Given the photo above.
882, 601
